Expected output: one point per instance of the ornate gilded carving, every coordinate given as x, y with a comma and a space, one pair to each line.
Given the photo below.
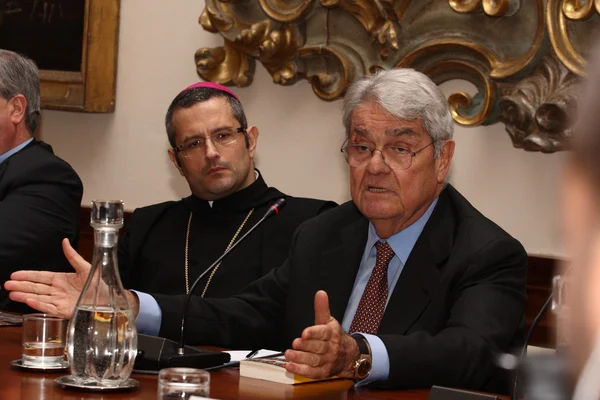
569, 22
523, 56
578, 9
226, 65
274, 48
379, 21
493, 8
328, 86
536, 110
285, 10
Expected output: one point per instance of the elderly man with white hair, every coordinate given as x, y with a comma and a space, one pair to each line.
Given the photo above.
405, 286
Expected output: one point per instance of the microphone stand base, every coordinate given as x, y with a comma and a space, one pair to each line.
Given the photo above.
156, 353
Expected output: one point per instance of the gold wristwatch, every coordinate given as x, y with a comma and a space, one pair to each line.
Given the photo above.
362, 367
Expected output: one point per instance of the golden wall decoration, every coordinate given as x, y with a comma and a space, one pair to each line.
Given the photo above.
525, 57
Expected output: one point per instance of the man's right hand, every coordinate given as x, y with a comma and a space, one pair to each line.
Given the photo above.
53, 293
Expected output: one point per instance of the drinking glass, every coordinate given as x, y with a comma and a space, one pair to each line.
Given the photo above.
182, 383
43, 340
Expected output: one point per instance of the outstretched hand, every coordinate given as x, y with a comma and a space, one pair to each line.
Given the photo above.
53, 293
324, 349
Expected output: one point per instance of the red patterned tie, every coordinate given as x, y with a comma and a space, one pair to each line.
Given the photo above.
372, 304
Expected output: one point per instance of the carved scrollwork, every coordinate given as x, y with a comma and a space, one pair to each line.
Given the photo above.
536, 110
214, 22
444, 61
567, 22
377, 19
498, 45
286, 10
333, 85
493, 8
578, 10
226, 65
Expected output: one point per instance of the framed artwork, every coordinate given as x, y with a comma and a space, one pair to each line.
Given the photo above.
73, 42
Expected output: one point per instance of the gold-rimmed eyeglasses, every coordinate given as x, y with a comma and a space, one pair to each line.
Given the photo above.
219, 139
395, 157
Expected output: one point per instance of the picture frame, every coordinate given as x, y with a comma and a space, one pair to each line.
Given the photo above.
76, 73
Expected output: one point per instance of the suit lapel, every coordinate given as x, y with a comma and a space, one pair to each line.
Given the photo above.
421, 274
339, 265
3, 168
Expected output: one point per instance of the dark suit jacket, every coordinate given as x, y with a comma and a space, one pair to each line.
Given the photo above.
40, 196
459, 301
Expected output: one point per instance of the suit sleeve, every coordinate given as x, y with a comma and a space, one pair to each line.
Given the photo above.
485, 315
249, 320
40, 209
123, 256
277, 238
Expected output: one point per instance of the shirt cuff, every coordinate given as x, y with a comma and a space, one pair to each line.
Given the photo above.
380, 361
149, 316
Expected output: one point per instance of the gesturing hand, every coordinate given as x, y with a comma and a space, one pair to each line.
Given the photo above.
324, 349
53, 293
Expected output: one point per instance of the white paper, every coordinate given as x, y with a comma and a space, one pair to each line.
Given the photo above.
239, 355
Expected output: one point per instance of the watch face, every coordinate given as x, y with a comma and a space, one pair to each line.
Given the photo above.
363, 368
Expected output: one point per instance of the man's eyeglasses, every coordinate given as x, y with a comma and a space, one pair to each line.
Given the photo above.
220, 139
395, 157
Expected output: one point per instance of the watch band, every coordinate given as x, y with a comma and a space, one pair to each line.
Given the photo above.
363, 346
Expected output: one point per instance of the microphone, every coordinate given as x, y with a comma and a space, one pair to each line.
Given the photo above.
273, 210
156, 353
536, 321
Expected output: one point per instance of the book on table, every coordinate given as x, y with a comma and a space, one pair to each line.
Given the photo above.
273, 369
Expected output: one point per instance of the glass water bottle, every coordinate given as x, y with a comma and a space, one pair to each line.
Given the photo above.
102, 337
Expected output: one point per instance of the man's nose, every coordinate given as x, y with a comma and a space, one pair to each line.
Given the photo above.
377, 164
211, 150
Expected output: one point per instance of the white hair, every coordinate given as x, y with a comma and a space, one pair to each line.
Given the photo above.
405, 94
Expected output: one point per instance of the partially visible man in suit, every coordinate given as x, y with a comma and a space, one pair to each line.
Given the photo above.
40, 194
405, 286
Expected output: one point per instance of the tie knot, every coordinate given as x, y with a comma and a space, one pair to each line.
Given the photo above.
384, 253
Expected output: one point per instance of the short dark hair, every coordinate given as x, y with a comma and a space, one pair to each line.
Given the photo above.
188, 98
19, 75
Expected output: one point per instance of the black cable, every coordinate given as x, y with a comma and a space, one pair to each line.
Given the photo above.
535, 322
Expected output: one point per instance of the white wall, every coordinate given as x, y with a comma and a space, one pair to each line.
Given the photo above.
123, 155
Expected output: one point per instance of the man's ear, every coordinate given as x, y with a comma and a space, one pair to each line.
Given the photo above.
252, 132
175, 160
19, 108
444, 160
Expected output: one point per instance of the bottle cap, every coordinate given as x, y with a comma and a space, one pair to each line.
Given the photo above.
107, 213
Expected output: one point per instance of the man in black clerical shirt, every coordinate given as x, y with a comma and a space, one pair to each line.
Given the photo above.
40, 194
168, 245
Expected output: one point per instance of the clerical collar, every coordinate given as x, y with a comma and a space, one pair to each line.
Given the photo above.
256, 175
255, 195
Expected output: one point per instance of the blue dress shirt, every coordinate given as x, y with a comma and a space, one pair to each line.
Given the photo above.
402, 243
12, 151
150, 315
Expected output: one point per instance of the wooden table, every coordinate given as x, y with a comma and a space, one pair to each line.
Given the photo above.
225, 383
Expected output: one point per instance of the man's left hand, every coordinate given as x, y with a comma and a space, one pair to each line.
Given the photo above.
324, 349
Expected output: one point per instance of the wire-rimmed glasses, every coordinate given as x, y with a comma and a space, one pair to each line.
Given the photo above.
220, 139
395, 157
